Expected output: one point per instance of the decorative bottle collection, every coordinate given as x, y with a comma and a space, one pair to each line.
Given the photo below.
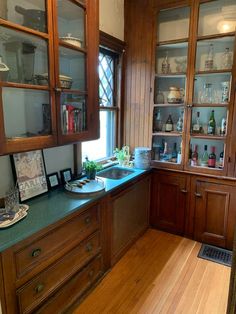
206, 159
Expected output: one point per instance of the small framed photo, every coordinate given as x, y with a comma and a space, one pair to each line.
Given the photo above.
53, 180
30, 174
66, 175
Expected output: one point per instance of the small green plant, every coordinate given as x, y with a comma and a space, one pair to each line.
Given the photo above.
119, 153
91, 165
122, 155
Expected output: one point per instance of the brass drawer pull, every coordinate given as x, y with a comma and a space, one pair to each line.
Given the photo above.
39, 288
36, 252
198, 194
184, 191
89, 247
87, 220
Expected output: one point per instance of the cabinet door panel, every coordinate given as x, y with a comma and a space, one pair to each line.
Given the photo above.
213, 204
168, 202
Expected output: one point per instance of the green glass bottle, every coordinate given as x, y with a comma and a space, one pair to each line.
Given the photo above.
211, 124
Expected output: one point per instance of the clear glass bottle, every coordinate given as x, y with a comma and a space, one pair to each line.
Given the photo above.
221, 160
179, 125
209, 62
211, 124
166, 156
165, 66
212, 158
179, 156
225, 92
157, 126
207, 94
226, 62
223, 127
197, 128
169, 124
204, 157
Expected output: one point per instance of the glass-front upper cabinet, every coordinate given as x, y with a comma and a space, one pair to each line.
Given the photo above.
48, 65
212, 103
170, 86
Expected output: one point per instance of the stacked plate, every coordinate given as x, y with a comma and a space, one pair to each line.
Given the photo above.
142, 157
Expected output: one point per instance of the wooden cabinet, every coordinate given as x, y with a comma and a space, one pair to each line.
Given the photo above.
215, 213
130, 211
58, 264
169, 196
48, 73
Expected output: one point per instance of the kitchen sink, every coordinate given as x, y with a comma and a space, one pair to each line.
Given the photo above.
115, 173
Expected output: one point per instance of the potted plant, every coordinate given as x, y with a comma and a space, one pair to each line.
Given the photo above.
122, 155
91, 168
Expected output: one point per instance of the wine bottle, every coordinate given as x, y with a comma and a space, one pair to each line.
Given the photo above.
212, 158
221, 161
165, 66
211, 124
179, 156
194, 160
169, 124
179, 125
223, 127
204, 158
174, 153
197, 128
190, 152
209, 63
158, 121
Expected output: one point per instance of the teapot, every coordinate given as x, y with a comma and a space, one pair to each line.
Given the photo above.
176, 95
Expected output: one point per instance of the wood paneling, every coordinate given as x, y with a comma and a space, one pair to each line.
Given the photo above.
139, 28
161, 274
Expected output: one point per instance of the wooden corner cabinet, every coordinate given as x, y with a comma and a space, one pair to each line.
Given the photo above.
48, 73
194, 94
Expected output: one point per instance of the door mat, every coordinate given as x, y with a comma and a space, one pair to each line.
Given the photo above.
216, 254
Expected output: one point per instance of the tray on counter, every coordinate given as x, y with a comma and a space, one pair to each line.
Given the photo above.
85, 188
4, 223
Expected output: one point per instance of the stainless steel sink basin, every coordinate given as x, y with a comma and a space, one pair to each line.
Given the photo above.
115, 173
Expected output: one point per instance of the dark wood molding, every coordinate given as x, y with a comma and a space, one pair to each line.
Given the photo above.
111, 42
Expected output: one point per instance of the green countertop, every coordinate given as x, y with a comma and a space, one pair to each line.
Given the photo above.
51, 207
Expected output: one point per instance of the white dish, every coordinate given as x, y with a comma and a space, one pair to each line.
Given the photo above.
72, 40
91, 187
18, 216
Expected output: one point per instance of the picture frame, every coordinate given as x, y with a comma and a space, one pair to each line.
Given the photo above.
66, 175
29, 172
53, 180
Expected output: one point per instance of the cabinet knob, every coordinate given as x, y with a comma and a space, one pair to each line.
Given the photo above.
36, 252
91, 273
198, 194
184, 191
39, 288
89, 247
87, 220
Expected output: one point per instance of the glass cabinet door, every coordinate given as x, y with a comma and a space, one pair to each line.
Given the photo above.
170, 87
212, 96
26, 82
72, 69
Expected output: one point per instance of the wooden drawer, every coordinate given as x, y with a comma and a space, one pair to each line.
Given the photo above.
74, 288
32, 293
58, 239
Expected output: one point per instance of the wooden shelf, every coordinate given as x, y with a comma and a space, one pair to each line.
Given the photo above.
208, 137
25, 86
210, 105
174, 133
73, 47
209, 168
215, 36
170, 105
171, 75
173, 42
213, 72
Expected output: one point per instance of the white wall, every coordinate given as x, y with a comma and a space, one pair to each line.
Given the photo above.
112, 22
111, 17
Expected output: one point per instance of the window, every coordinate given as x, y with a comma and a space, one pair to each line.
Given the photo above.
108, 68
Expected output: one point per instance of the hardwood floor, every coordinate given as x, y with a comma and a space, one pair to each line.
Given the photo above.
161, 274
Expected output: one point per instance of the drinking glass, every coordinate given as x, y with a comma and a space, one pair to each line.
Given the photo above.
12, 200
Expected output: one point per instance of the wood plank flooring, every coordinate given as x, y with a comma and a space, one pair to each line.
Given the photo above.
161, 274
